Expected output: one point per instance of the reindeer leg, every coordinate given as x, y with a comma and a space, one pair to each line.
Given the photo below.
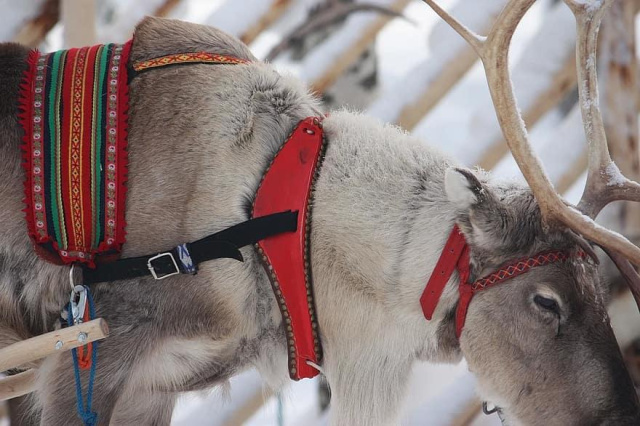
20, 412
57, 387
367, 387
149, 408
58, 395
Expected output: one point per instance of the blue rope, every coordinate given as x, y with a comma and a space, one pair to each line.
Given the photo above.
89, 417
280, 410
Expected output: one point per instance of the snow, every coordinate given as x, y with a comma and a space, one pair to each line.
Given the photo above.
453, 125
574, 192
547, 51
323, 56
15, 14
197, 11
445, 47
229, 18
123, 15
591, 5
293, 16
300, 405
193, 408
614, 176
443, 408
558, 151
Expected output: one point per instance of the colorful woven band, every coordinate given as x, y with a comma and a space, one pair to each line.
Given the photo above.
186, 58
74, 105
521, 266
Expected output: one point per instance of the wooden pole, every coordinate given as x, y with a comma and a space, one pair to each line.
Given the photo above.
355, 50
618, 68
244, 413
561, 84
79, 19
449, 75
469, 413
49, 343
34, 32
17, 385
276, 10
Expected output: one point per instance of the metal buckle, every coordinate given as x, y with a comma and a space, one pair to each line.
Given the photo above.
153, 271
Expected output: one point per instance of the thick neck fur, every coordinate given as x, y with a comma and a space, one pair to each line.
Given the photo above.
200, 138
381, 217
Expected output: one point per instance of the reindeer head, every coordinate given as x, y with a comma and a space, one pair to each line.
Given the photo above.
540, 344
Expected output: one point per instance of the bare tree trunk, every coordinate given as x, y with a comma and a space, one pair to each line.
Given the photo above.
619, 72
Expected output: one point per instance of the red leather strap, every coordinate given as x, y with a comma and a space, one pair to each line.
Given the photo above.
287, 186
464, 289
447, 263
455, 255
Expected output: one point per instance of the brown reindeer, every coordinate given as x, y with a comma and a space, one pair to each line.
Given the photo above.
200, 139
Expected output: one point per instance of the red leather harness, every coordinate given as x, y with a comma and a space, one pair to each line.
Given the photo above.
455, 255
288, 185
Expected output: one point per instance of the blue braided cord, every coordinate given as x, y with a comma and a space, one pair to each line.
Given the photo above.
88, 417
280, 410
94, 358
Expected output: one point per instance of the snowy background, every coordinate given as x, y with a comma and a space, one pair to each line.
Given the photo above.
411, 54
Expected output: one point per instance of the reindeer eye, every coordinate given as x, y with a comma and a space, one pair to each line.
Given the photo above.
546, 303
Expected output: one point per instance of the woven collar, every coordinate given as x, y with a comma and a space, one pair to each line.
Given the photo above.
74, 115
455, 256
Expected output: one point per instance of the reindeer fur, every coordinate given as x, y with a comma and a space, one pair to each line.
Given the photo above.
200, 138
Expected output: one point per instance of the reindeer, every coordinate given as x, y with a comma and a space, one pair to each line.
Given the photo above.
200, 138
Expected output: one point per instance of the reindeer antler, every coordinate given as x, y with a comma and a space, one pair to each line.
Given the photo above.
333, 12
604, 183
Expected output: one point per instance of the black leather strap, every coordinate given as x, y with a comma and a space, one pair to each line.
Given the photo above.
185, 258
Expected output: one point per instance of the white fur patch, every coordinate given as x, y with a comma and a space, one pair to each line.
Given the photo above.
457, 188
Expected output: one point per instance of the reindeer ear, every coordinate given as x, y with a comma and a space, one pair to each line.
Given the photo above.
480, 214
463, 188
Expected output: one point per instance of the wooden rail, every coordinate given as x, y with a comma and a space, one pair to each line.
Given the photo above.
34, 32
32, 349
275, 11
561, 84
352, 52
17, 385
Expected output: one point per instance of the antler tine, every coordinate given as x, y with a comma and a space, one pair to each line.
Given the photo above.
628, 273
494, 52
476, 41
604, 181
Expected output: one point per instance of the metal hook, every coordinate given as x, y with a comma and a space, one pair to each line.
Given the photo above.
78, 301
485, 408
72, 276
